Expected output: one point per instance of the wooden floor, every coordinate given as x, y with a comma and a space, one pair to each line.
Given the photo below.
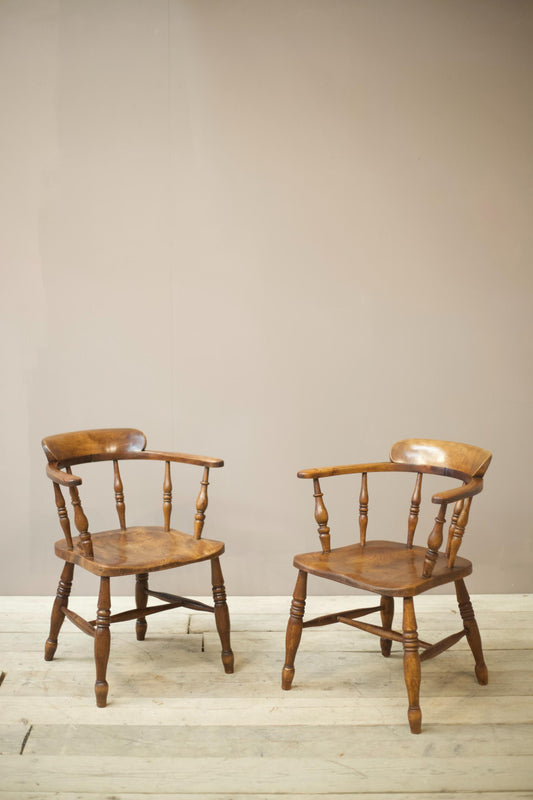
177, 727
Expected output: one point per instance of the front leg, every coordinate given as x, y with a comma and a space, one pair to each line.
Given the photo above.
222, 615
102, 642
141, 600
294, 629
411, 664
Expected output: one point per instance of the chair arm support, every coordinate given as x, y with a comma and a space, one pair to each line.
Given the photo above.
349, 469
184, 458
64, 478
471, 488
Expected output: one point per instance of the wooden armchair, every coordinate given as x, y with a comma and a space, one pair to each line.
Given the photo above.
390, 569
127, 550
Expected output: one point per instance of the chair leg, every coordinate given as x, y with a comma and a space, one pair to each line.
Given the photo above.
472, 631
387, 614
141, 601
294, 629
57, 617
222, 614
102, 642
411, 664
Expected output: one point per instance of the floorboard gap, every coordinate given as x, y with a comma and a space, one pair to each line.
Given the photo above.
25, 739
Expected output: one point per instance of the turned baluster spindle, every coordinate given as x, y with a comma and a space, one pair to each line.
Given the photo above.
201, 504
321, 516
413, 510
81, 521
434, 543
167, 496
458, 530
458, 507
119, 496
63, 515
363, 509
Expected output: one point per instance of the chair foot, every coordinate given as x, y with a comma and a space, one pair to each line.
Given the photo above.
222, 615
472, 632
141, 600
294, 629
387, 614
411, 664
57, 617
102, 642
414, 716
287, 675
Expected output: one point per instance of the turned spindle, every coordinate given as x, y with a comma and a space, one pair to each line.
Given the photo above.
167, 496
201, 504
321, 516
102, 642
458, 531
434, 543
363, 509
458, 507
63, 515
119, 496
81, 521
411, 664
414, 510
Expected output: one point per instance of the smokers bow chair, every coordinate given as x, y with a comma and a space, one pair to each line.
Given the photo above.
127, 550
391, 569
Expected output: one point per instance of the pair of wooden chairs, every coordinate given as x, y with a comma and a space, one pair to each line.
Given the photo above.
386, 568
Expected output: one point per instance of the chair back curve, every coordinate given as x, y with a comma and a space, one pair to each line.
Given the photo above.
465, 458
80, 446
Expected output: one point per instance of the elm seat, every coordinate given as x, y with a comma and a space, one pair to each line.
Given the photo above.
128, 550
386, 568
390, 569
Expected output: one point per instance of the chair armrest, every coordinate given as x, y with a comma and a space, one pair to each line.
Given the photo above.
184, 458
471, 488
349, 469
64, 478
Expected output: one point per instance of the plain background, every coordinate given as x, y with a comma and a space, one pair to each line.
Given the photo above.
286, 233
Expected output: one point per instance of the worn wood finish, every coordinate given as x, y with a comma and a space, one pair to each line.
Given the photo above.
130, 550
391, 569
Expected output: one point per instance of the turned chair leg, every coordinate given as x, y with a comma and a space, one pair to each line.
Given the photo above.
57, 617
294, 629
387, 614
102, 642
222, 614
141, 601
472, 631
411, 664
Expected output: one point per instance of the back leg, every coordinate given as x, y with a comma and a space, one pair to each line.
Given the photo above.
141, 600
57, 618
472, 631
294, 629
387, 614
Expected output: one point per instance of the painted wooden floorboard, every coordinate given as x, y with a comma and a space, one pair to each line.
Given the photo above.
519, 795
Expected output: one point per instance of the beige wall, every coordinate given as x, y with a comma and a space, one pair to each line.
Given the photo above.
285, 233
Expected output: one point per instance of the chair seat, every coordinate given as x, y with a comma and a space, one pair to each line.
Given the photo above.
139, 549
387, 568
